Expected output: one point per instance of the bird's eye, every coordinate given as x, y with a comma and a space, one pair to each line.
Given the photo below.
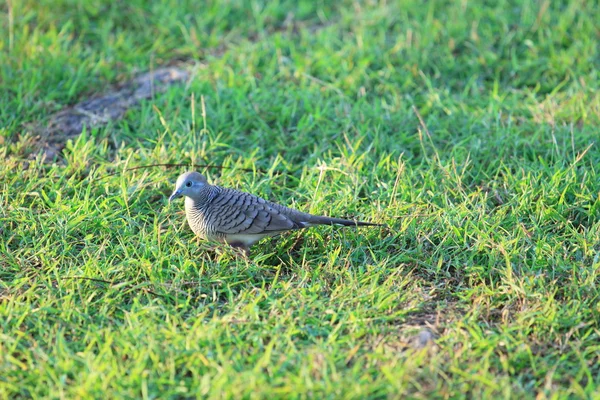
189, 184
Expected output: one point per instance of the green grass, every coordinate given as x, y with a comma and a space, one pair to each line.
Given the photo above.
492, 201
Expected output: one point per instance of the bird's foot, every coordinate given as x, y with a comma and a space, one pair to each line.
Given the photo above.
241, 248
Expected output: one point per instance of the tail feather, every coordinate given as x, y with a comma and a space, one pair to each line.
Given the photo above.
317, 220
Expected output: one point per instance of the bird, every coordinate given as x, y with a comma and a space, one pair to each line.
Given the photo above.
240, 219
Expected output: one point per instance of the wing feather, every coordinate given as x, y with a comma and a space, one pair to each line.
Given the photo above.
243, 213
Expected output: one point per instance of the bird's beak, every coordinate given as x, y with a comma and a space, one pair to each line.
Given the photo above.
175, 195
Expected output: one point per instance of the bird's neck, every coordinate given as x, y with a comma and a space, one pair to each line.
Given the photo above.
202, 199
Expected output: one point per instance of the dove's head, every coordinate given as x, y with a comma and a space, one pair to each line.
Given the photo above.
189, 184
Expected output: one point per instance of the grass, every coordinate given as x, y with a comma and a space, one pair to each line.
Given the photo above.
470, 128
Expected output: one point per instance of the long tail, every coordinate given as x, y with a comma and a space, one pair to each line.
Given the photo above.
316, 220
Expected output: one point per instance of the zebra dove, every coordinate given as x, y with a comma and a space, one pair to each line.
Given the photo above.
240, 219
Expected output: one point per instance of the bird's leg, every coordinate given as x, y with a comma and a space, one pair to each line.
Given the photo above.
242, 248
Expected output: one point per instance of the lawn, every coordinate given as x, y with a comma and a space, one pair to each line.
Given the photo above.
471, 129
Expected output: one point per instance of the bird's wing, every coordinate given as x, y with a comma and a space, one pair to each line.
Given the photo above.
243, 213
